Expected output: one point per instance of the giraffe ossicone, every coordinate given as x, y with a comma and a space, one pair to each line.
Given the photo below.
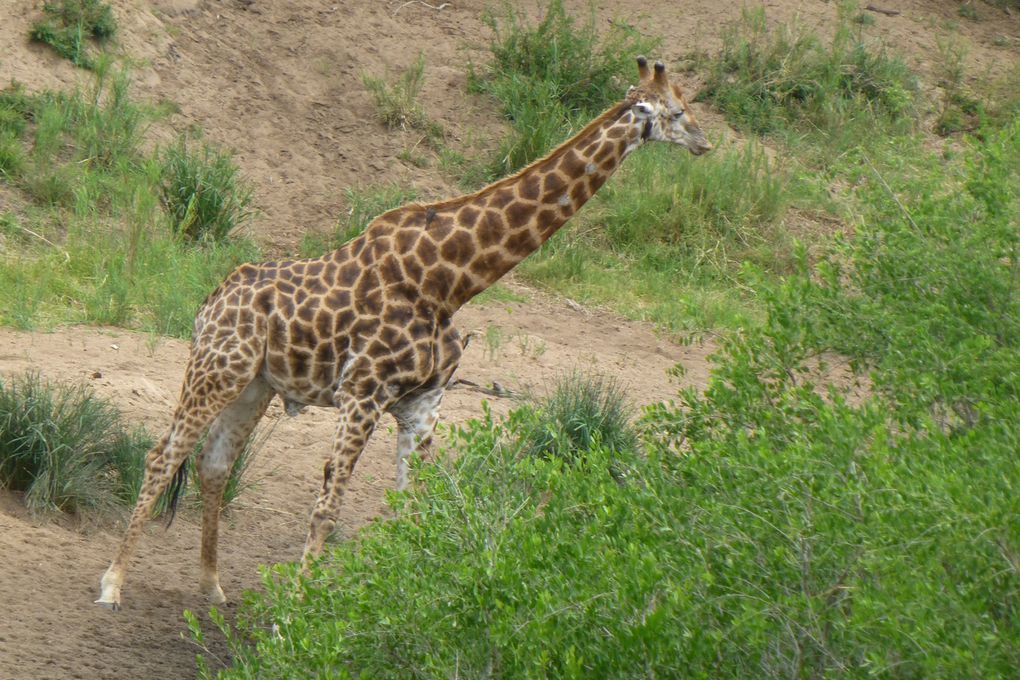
368, 327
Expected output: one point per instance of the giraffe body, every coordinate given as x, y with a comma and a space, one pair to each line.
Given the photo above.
368, 328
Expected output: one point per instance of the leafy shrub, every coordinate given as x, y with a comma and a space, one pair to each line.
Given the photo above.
775, 525
551, 76
66, 448
70, 23
202, 193
764, 79
397, 105
583, 411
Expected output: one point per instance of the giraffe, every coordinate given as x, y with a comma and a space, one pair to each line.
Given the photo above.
367, 328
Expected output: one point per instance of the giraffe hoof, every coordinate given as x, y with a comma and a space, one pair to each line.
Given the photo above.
216, 596
112, 606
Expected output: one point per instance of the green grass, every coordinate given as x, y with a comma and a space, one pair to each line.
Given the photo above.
65, 448
98, 243
551, 76
202, 194
69, 450
769, 80
68, 25
666, 238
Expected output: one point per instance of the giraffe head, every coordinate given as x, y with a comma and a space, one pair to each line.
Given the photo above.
660, 108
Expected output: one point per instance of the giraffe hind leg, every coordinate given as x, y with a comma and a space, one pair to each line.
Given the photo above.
227, 437
416, 416
192, 417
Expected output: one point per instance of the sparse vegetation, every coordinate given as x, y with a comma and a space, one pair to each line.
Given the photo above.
363, 206
397, 105
96, 247
551, 76
69, 25
769, 79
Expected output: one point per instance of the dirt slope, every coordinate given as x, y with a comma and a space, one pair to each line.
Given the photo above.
279, 82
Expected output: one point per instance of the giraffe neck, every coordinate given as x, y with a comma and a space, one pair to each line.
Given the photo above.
513, 217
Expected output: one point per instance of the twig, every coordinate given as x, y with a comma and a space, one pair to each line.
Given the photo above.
421, 2
891, 194
887, 12
496, 390
45, 240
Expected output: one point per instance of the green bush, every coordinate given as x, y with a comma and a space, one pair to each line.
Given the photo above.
202, 193
68, 24
66, 448
774, 525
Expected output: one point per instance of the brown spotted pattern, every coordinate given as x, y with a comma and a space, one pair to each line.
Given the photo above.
367, 328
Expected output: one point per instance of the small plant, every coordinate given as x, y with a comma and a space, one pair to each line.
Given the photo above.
66, 448
585, 410
397, 105
959, 111
968, 11
864, 19
493, 341
69, 24
202, 193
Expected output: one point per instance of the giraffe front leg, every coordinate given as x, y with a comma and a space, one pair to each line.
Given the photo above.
357, 422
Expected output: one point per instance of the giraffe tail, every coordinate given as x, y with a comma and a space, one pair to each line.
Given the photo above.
179, 482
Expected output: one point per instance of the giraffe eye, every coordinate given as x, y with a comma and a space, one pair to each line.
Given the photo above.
678, 115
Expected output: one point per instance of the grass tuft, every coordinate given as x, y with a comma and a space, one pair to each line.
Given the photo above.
69, 24
202, 194
66, 448
584, 410
397, 105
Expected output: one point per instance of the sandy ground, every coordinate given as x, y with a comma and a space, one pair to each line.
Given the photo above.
280, 83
